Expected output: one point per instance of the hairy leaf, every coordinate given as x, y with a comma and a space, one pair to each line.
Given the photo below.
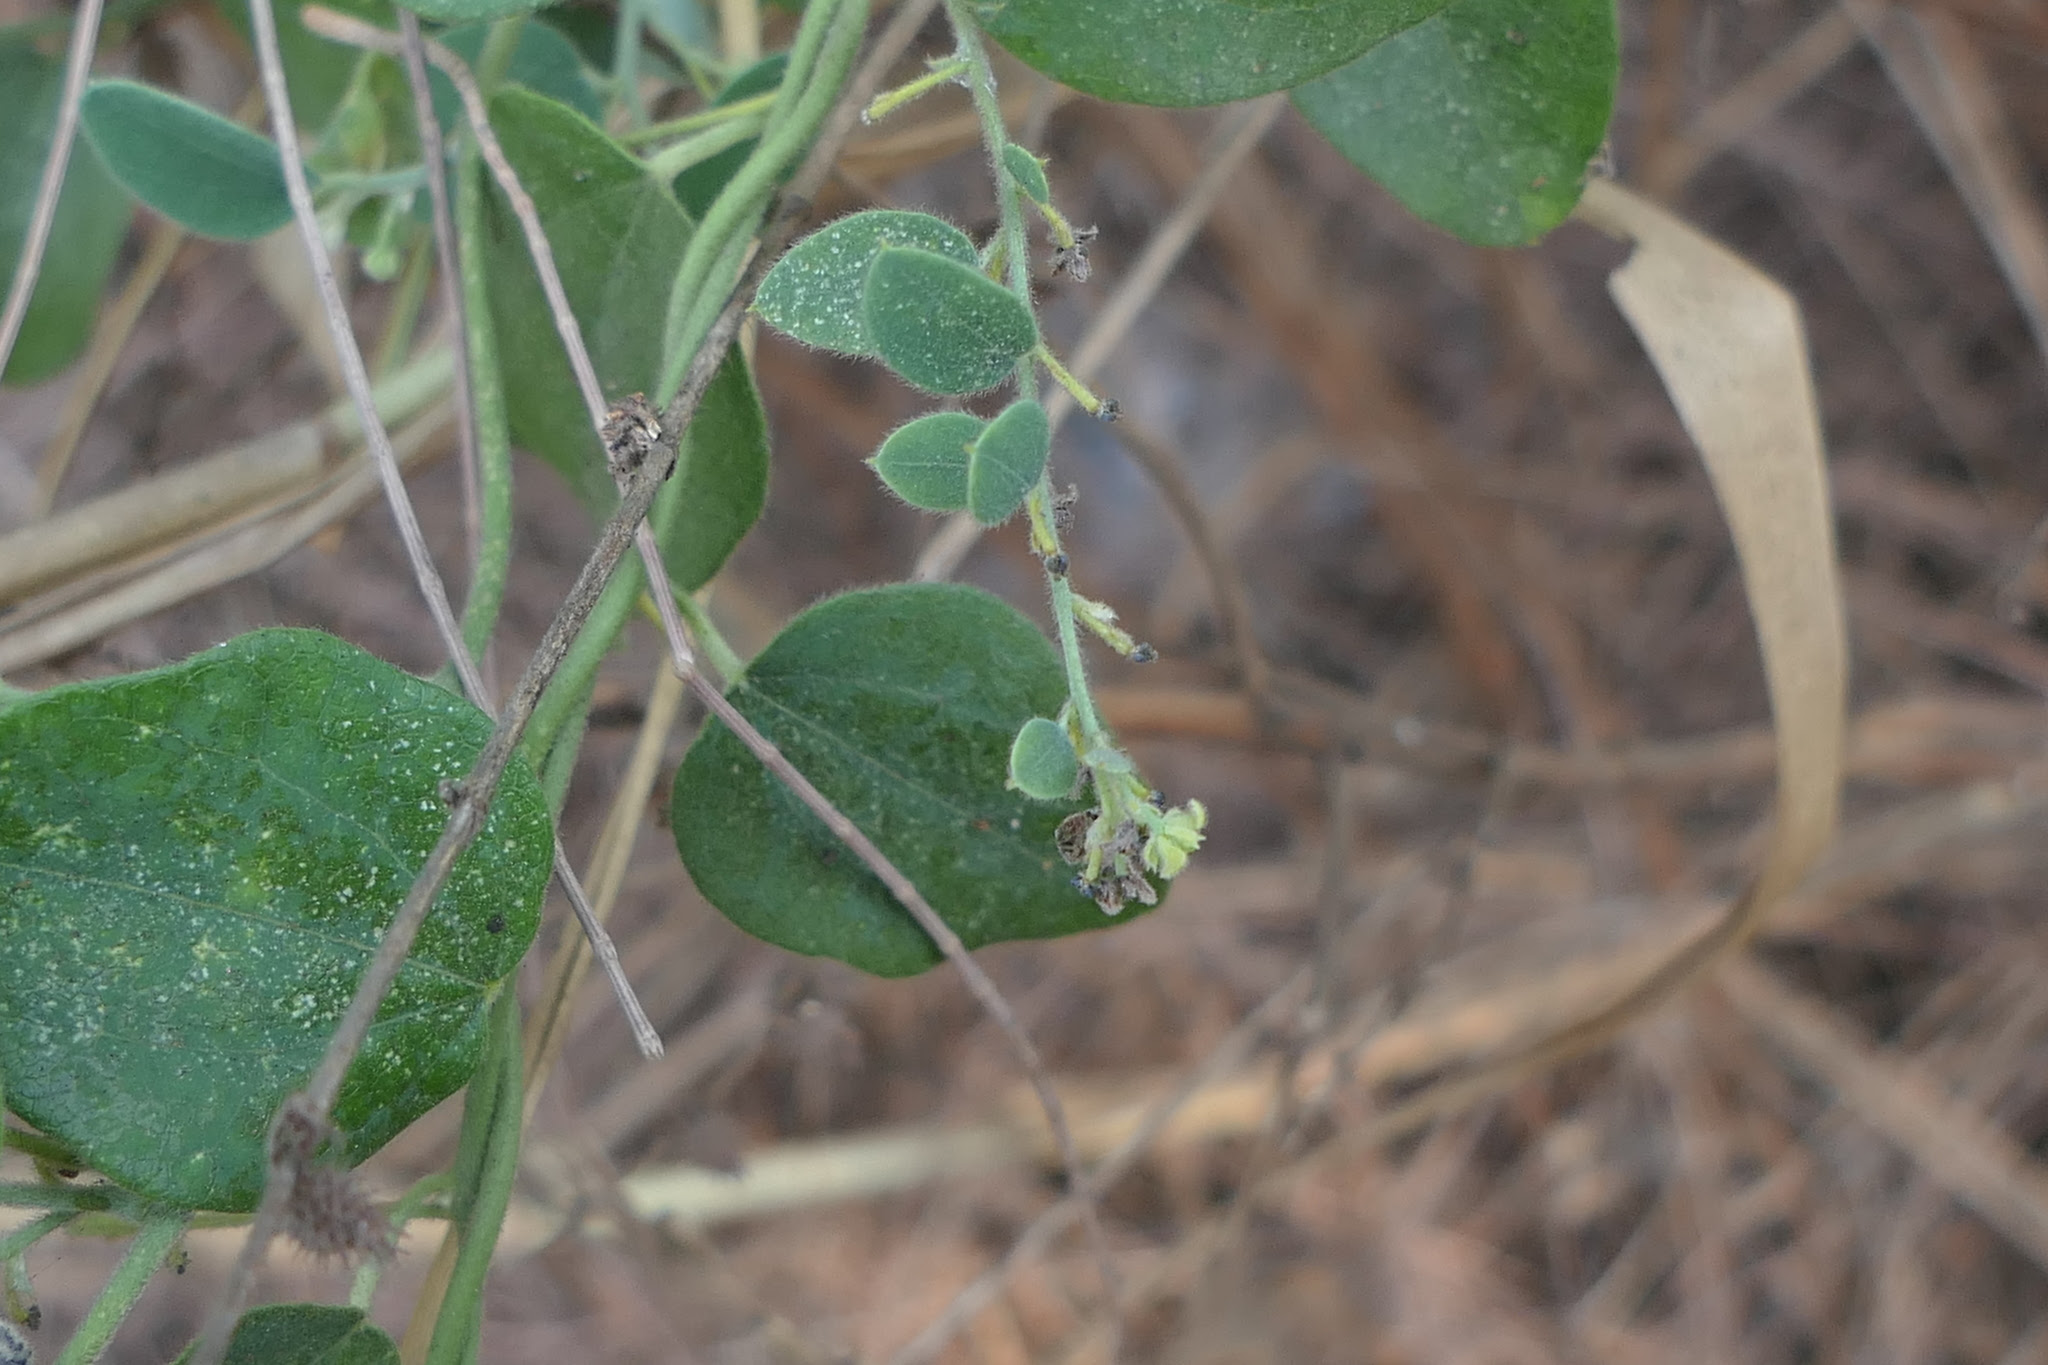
941, 324
814, 292
208, 175
1007, 461
1029, 173
924, 461
1043, 764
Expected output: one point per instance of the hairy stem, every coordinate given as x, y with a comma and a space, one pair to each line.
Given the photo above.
152, 1243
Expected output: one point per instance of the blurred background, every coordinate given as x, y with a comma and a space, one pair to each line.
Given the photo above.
1511, 745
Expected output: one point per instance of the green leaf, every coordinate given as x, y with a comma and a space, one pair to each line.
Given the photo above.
617, 236
814, 292
1481, 119
204, 173
306, 1334
92, 218
696, 186
721, 480
1182, 52
1029, 173
1007, 461
469, 11
317, 70
941, 324
1043, 764
924, 461
545, 62
197, 862
900, 704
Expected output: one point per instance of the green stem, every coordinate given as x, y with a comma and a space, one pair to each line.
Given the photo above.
26, 1236
1092, 729
626, 61
573, 680
672, 160
487, 402
152, 1243
981, 84
36, 1194
995, 135
560, 768
368, 184
35, 1144
405, 309
486, 1162
818, 65
725, 660
703, 118
1061, 375
889, 101
496, 57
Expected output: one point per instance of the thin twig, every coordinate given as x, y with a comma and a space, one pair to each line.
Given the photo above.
465, 820
473, 795
682, 655
110, 338
85, 33
427, 576
1268, 1015
1162, 463
434, 156
343, 28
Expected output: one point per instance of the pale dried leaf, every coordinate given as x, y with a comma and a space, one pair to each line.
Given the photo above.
1729, 345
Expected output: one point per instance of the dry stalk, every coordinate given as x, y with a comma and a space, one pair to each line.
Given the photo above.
85, 33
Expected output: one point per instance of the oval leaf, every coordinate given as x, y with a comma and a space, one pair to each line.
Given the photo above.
901, 704
1043, 764
92, 218
617, 236
1481, 119
941, 324
814, 293
545, 62
197, 862
1183, 52
306, 1334
1008, 461
202, 172
1029, 173
924, 462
